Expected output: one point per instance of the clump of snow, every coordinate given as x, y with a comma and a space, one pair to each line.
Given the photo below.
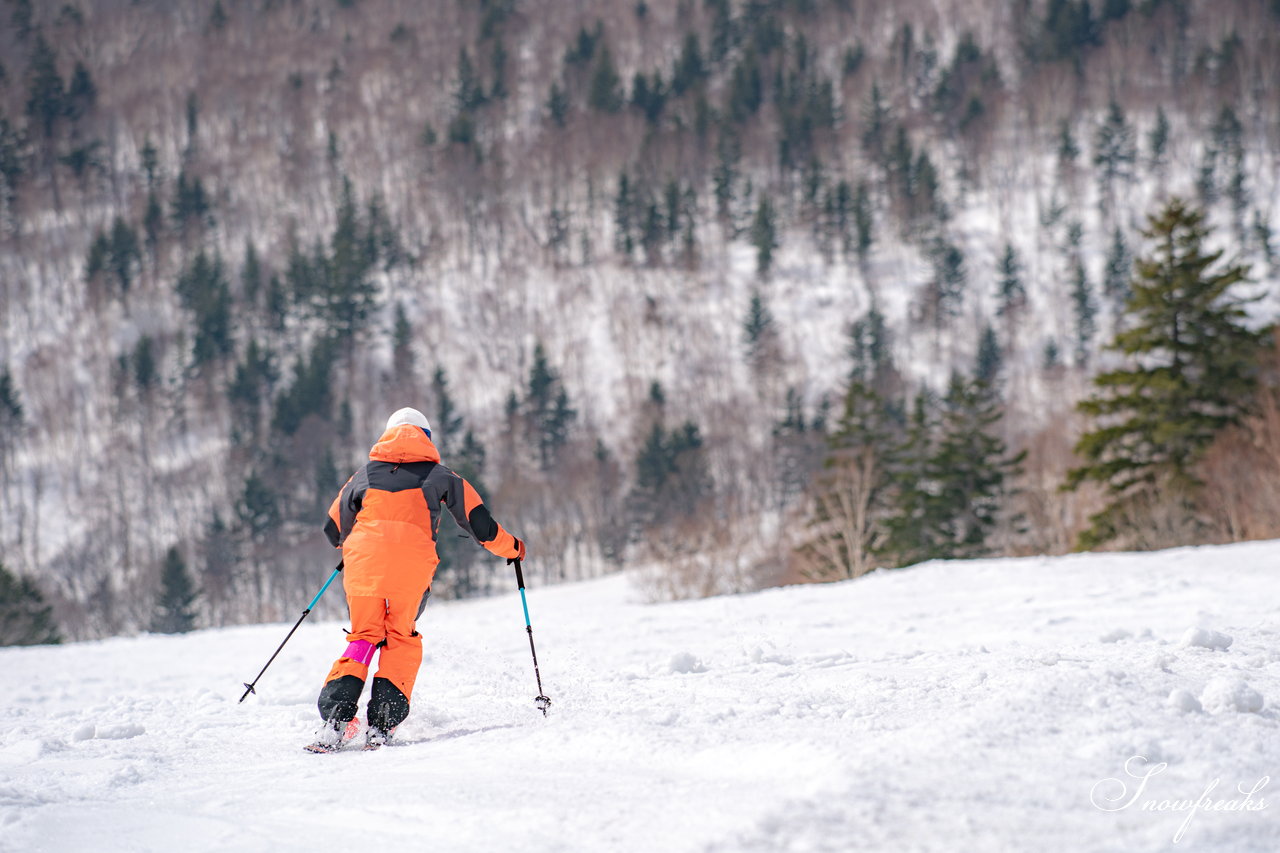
118, 731
1222, 695
1205, 638
1182, 700
1115, 635
1164, 662
686, 662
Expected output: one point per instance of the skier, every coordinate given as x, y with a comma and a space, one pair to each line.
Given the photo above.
386, 520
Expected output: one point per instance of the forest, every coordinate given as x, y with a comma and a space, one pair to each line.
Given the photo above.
732, 294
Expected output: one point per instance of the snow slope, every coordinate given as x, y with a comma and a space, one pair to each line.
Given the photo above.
955, 706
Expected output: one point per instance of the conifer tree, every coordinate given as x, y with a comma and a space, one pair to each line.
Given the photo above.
1158, 141
557, 105
757, 328
990, 358
547, 409
1116, 274
605, 91
173, 614
1085, 310
764, 236
10, 403
1113, 149
25, 620
46, 98
863, 219
956, 478
447, 431
1011, 294
1191, 370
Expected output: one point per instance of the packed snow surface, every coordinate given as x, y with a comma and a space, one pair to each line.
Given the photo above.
1092, 702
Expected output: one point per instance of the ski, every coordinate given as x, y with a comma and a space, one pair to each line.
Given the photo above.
323, 745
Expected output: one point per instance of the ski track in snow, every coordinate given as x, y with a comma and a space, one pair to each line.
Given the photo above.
953, 706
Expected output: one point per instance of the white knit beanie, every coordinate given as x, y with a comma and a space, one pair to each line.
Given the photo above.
409, 416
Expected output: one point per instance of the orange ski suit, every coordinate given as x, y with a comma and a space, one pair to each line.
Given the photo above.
386, 520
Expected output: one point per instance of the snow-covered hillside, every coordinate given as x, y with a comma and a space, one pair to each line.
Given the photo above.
953, 706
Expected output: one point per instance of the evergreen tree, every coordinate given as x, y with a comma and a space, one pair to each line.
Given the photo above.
1010, 292
973, 470
310, 393
203, 289
876, 118
81, 92
1114, 151
1115, 276
152, 221
764, 236
150, 159
956, 480
583, 48
46, 99
350, 296
690, 69
757, 328
249, 390
173, 614
605, 91
547, 409
13, 159
910, 522
498, 70
25, 620
124, 253
1192, 370
468, 93
1158, 141
746, 88
402, 343
1085, 310
990, 357
447, 433
870, 351
258, 509
10, 402
558, 105
863, 221
144, 364
1068, 150
671, 478
945, 292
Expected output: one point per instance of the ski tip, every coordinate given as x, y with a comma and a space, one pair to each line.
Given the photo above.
321, 748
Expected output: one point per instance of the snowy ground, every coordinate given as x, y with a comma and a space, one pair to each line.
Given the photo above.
960, 707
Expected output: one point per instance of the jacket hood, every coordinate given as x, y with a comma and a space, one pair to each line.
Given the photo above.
404, 443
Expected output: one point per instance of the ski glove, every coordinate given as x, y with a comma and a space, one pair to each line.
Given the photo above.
519, 552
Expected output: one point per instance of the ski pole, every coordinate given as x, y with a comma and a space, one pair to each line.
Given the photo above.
543, 701
248, 685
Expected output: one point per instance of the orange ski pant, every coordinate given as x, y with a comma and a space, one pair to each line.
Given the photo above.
374, 620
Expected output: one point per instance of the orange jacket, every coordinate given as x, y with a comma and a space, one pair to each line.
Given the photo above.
386, 519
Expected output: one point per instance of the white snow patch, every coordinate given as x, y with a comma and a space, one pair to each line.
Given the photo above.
1115, 635
1182, 700
1223, 695
1206, 639
686, 662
